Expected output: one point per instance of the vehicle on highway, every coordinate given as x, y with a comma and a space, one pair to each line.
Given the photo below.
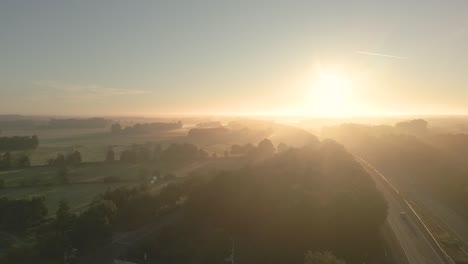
403, 215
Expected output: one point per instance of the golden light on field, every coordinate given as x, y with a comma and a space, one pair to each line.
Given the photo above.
331, 94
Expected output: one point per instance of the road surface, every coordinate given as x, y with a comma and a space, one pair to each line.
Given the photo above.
413, 242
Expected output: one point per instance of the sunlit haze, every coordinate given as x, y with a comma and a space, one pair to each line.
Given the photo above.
313, 58
233, 131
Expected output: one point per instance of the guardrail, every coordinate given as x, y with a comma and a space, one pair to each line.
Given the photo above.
422, 226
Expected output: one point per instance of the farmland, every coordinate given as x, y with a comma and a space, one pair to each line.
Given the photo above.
92, 143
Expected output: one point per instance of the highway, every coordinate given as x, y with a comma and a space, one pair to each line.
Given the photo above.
415, 242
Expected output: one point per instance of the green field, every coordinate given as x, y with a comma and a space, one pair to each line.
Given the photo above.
92, 143
86, 181
77, 195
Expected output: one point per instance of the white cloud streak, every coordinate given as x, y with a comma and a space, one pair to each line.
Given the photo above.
382, 55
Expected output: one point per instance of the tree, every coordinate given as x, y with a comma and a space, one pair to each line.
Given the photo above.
157, 150
282, 147
19, 215
265, 148
93, 227
416, 127
143, 153
128, 156
24, 162
277, 206
7, 160
116, 128
18, 143
74, 158
62, 174
60, 160
322, 258
182, 153
63, 218
110, 156
35, 142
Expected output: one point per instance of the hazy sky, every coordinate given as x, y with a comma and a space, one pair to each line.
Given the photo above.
156, 57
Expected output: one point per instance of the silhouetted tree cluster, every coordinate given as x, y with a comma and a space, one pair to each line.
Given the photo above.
242, 149
224, 134
182, 153
16, 124
264, 149
212, 132
19, 215
63, 162
435, 163
145, 128
67, 235
87, 232
275, 211
174, 154
9, 161
282, 147
138, 153
211, 124
110, 155
71, 159
415, 127
116, 128
79, 123
18, 143
93, 227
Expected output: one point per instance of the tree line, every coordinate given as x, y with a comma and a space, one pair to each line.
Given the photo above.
174, 154
293, 207
79, 123
18, 143
145, 128
298, 201
74, 235
10, 161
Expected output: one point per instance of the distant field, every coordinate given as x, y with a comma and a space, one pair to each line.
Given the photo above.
92, 143
86, 181
85, 173
77, 195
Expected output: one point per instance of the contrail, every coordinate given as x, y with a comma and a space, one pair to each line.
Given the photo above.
381, 55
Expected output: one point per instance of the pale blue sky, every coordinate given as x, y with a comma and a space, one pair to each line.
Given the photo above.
155, 57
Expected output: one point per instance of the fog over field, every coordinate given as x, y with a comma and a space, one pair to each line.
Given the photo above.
251, 132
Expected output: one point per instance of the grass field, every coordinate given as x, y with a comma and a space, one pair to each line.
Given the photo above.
92, 143
77, 195
86, 182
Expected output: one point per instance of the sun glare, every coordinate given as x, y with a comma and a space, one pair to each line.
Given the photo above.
331, 95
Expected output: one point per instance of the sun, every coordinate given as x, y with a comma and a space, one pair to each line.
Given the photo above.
331, 95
